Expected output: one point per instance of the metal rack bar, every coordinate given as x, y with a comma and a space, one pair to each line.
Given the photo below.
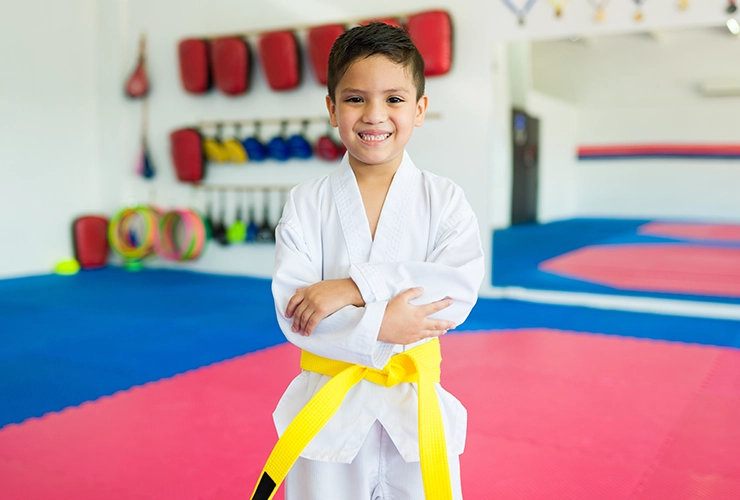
280, 121
244, 187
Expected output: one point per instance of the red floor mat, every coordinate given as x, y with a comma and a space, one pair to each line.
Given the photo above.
709, 232
552, 415
672, 268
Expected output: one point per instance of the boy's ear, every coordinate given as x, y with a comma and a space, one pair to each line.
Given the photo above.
421, 110
332, 108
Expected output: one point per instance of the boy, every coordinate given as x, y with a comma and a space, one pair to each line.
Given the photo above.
373, 262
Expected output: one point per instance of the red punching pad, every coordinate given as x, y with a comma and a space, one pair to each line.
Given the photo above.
230, 60
194, 65
90, 240
187, 154
320, 41
281, 60
389, 21
432, 33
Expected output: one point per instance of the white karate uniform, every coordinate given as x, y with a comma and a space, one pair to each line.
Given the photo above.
428, 236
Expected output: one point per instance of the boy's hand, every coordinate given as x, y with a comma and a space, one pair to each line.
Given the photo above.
405, 323
312, 304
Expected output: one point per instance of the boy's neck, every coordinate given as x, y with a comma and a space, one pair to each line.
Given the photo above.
375, 174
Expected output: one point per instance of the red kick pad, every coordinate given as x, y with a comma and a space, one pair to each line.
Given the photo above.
281, 60
588, 416
672, 268
320, 40
194, 65
432, 34
90, 240
707, 232
230, 58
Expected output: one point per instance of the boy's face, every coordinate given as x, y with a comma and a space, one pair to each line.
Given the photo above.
375, 111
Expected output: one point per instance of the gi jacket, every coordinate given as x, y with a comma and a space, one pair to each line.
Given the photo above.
428, 236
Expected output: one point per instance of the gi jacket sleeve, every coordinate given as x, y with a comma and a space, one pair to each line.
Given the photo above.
350, 334
454, 267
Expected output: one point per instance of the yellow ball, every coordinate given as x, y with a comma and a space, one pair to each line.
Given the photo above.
67, 267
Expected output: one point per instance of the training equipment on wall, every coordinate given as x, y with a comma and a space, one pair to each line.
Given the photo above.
277, 147
137, 85
432, 33
234, 147
181, 235
281, 59
231, 65
132, 233
280, 55
245, 199
191, 147
254, 147
90, 241
298, 144
195, 72
320, 40
328, 148
388, 21
187, 154
144, 166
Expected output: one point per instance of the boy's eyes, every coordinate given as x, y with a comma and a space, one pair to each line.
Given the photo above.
392, 100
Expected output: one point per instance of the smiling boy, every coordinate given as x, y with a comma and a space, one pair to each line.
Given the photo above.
373, 263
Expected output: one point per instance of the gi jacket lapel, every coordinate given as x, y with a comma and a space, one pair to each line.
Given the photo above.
351, 212
393, 217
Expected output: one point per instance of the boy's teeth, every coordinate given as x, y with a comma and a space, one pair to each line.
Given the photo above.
368, 137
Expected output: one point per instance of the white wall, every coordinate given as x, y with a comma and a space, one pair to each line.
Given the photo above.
640, 88
49, 169
558, 191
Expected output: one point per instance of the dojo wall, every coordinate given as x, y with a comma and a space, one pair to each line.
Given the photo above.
644, 88
49, 169
78, 57
456, 145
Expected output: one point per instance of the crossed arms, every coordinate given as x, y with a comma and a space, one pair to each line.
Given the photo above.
361, 318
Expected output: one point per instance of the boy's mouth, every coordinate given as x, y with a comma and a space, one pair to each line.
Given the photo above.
374, 136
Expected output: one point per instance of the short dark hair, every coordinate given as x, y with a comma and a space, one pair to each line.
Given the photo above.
374, 38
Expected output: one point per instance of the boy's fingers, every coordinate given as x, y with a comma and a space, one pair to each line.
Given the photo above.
412, 293
432, 333
307, 327
313, 322
437, 306
293, 303
297, 317
438, 324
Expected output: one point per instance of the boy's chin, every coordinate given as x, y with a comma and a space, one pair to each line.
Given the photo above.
375, 160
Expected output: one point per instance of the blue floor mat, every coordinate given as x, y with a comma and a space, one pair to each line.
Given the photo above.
518, 250
66, 340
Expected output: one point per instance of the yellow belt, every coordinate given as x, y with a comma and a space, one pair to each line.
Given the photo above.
420, 365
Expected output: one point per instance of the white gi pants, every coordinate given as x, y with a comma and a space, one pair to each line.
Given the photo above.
378, 472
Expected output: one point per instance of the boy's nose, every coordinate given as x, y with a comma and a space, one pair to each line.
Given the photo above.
374, 113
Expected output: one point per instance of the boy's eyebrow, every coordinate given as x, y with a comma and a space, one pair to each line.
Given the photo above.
360, 91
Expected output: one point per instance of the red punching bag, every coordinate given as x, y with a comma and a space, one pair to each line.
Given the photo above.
137, 85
